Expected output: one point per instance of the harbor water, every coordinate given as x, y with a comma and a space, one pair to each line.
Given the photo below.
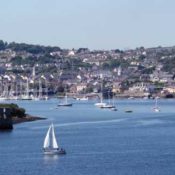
97, 141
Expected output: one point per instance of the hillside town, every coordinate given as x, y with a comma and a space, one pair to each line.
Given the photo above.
43, 71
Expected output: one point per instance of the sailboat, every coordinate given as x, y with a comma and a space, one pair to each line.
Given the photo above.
113, 105
156, 108
40, 93
128, 110
50, 143
108, 105
65, 103
26, 96
101, 103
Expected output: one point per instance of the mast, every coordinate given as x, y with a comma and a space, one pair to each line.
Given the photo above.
46, 89
109, 98
33, 73
101, 100
156, 103
27, 88
65, 96
66, 99
20, 89
113, 98
40, 89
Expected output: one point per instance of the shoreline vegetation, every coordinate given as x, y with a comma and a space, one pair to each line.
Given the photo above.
11, 114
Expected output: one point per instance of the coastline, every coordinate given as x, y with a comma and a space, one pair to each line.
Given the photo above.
28, 118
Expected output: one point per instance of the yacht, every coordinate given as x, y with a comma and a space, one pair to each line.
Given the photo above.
109, 105
50, 145
156, 108
101, 103
65, 103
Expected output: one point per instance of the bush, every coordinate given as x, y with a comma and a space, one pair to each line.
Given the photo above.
16, 111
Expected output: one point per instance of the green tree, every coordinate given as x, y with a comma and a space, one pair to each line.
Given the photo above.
2, 45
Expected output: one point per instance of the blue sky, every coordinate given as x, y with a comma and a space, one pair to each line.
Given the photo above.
96, 24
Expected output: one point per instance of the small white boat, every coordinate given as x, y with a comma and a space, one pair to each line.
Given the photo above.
25, 97
40, 98
108, 106
101, 104
82, 99
156, 108
3, 98
65, 103
130, 98
50, 143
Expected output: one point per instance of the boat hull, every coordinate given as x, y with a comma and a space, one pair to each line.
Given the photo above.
82, 99
156, 110
107, 107
65, 105
128, 111
100, 104
54, 152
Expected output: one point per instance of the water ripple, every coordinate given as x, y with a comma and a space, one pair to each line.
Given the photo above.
81, 123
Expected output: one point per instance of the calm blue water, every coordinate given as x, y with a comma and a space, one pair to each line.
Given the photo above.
97, 141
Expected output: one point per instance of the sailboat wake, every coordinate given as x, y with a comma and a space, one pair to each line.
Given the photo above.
82, 123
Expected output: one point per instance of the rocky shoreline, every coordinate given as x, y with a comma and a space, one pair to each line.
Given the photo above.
27, 118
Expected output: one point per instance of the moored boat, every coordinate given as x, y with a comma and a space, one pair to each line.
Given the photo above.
65, 103
128, 111
156, 108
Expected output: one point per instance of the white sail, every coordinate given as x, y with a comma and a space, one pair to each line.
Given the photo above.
54, 142
47, 139
156, 103
50, 144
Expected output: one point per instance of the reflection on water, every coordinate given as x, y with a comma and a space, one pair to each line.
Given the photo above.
48, 158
